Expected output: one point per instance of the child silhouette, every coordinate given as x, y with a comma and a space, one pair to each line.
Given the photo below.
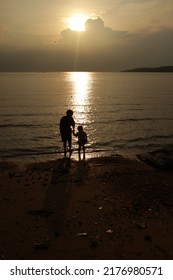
82, 140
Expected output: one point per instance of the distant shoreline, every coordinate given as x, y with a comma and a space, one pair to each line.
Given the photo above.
139, 69
151, 69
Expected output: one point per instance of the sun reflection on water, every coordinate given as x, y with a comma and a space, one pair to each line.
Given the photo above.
81, 84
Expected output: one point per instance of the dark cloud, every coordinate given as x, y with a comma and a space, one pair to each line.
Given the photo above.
69, 36
94, 24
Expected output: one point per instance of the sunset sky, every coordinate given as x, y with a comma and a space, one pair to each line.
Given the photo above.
40, 35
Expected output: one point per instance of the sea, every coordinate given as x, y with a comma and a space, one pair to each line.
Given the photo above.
122, 113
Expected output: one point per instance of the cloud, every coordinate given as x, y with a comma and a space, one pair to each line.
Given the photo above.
94, 24
111, 49
99, 48
95, 37
3, 34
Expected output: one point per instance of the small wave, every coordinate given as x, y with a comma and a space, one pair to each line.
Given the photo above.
144, 119
17, 125
133, 109
47, 137
109, 121
29, 152
154, 137
100, 144
28, 115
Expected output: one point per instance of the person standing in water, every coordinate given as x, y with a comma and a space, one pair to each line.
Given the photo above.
67, 125
82, 140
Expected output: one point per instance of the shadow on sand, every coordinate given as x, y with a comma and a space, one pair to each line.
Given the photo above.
58, 195
66, 176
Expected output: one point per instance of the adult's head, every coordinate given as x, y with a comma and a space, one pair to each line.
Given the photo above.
69, 113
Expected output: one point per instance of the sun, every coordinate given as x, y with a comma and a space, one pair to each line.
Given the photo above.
77, 22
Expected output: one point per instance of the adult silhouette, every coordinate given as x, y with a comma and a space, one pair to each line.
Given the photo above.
67, 125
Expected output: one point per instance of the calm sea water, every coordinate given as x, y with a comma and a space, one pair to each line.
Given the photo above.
121, 112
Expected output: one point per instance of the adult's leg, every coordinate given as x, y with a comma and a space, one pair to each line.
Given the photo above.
70, 149
65, 147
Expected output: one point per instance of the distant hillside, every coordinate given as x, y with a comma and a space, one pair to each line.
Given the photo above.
151, 69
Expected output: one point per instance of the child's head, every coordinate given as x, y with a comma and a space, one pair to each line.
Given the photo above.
80, 128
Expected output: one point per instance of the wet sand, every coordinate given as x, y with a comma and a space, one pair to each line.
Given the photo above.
101, 208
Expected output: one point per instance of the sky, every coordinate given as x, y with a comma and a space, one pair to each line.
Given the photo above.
37, 35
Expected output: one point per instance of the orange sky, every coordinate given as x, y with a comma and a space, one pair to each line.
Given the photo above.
123, 33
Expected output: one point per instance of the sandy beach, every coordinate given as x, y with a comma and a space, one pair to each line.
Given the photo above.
102, 208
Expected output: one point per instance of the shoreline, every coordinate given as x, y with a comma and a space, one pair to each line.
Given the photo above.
33, 158
128, 152
107, 207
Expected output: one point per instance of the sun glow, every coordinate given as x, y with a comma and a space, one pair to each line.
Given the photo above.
77, 23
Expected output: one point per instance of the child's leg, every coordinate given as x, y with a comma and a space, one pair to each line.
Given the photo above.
79, 149
83, 152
